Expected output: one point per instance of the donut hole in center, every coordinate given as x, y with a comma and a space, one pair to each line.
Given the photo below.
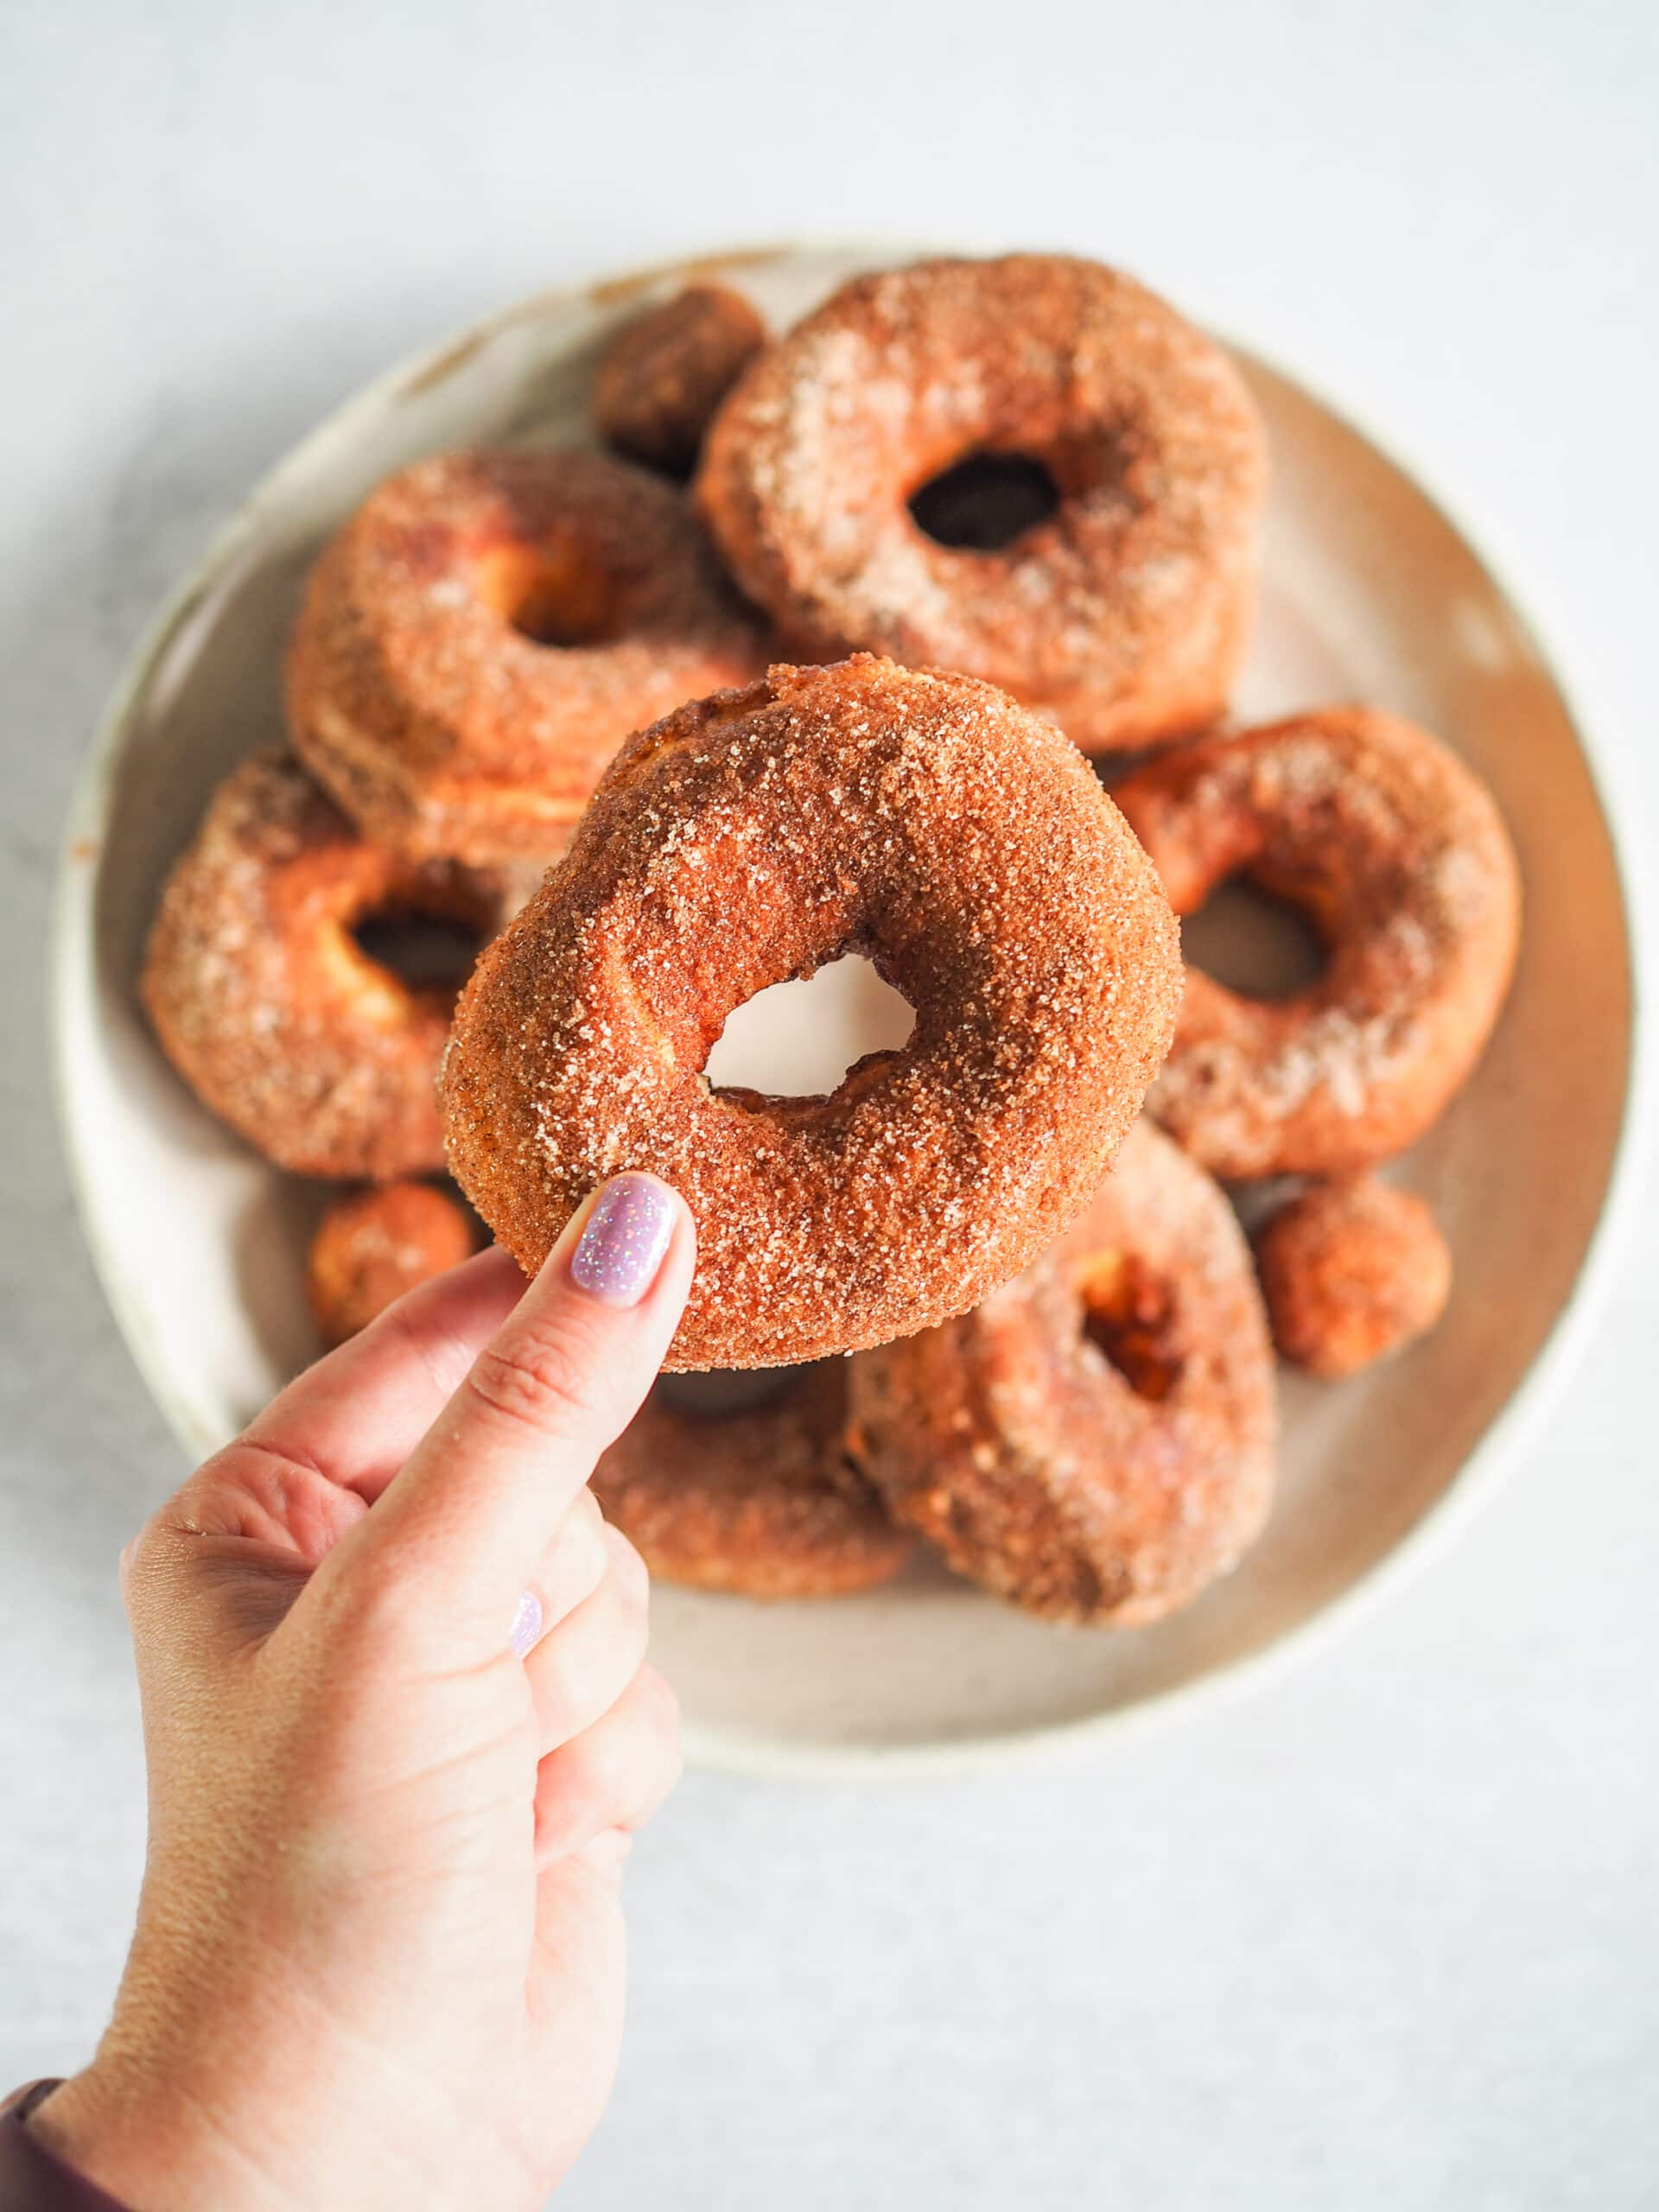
984, 501
425, 951
798, 1039
1128, 1315
549, 594
1250, 942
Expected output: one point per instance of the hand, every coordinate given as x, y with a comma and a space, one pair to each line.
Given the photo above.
379, 1953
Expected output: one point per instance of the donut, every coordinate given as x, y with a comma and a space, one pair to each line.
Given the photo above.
270, 1008
1123, 608
665, 373
485, 630
921, 819
1352, 1271
1095, 1442
1397, 856
374, 1244
758, 1499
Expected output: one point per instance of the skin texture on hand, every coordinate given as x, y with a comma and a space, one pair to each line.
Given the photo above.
398, 1726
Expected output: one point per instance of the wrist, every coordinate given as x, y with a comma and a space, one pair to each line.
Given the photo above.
147, 2147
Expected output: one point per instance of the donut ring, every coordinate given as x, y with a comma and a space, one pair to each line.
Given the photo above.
1102, 1486
921, 818
1125, 614
372, 1245
267, 1006
762, 1501
1399, 858
1352, 1271
482, 635
665, 373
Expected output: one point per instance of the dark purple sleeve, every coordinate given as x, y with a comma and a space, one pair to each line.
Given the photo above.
31, 2179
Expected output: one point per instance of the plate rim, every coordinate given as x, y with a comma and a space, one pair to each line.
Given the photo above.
71, 963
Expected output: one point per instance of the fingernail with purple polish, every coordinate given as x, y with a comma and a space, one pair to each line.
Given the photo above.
526, 1624
620, 1251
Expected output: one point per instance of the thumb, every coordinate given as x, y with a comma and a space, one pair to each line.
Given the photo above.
460, 1531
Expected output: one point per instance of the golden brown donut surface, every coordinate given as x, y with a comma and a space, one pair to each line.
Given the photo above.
1396, 855
481, 635
1352, 1271
1095, 1442
919, 818
267, 1005
372, 1245
1125, 613
665, 373
758, 1499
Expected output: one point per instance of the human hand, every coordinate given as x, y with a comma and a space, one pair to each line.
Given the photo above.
378, 1959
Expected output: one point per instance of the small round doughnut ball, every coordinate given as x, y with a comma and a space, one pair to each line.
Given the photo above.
1352, 1271
922, 820
756, 1497
1396, 855
268, 1005
1095, 1442
665, 373
373, 1245
481, 635
1123, 608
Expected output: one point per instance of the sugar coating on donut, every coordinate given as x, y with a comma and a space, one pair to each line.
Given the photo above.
1095, 1442
666, 372
760, 1500
265, 1002
1352, 1271
920, 818
372, 1246
1395, 853
1126, 613
480, 637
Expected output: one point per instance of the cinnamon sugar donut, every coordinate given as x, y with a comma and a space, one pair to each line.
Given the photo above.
1397, 856
758, 1499
920, 818
1352, 1271
665, 373
267, 1005
1096, 1441
1123, 614
482, 635
373, 1245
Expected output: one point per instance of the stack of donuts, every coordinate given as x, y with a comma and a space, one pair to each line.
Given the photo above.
910, 633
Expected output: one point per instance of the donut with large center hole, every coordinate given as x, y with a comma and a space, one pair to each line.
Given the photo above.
1095, 465
1395, 854
921, 819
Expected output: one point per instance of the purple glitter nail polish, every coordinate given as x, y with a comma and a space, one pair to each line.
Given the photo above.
620, 1251
526, 1625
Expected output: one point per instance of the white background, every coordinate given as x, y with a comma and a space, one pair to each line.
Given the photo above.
1384, 1935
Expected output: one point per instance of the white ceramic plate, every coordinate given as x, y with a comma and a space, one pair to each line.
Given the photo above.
1370, 593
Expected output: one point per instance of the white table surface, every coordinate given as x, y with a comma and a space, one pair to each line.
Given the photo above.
1382, 1934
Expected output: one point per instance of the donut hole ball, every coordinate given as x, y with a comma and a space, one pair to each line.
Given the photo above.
666, 373
1350, 1272
1252, 941
372, 1246
985, 501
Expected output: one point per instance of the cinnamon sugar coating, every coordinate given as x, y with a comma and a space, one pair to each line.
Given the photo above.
481, 635
666, 372
1095, 1442
373, 1245
922, 819
760, 1500
1125, 614
1396, 855
266, 1004
1352, 1271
